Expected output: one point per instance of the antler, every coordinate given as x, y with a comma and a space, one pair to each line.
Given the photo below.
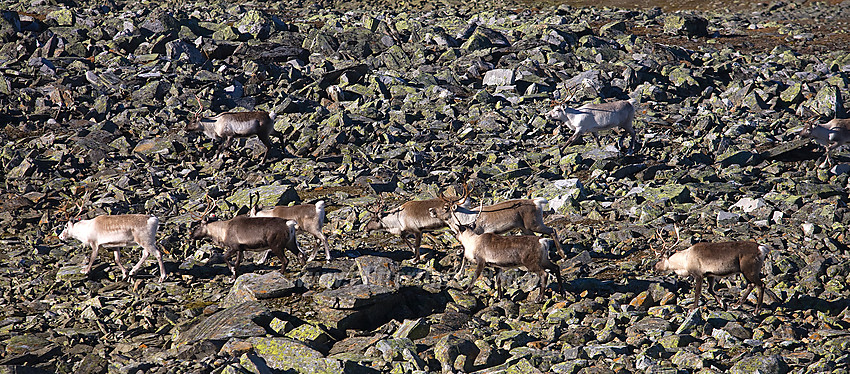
79, 205
200, 108
663, 248
210, 206
465, 195
254, 204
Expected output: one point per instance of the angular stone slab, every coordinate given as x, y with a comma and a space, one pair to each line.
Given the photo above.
238, 321
354, 297
287, 354
71, 273
253, 287
379, 271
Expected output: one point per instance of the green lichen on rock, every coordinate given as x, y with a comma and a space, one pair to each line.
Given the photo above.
290, 355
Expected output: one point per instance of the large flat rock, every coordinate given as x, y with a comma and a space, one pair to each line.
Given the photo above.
253, 287
239, 321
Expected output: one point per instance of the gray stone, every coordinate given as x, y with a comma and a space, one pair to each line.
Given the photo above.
450, 347
562, 193
727, 218
353, 297
499, 77
238, 321
412, 329
379, 271
178, 50
254, 23
71, 273
253, 287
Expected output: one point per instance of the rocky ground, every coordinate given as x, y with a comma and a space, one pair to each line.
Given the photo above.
400, 100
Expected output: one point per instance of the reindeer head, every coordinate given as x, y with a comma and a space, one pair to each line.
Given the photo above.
201, 230
375, 222
195, 123
461, 228
662, 256
255, 206
807, 129
69, 225
446, 211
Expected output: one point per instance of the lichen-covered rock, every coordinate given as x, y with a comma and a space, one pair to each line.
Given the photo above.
254, 23
774, 364
63, 17
685, 24
450, 347
289, 355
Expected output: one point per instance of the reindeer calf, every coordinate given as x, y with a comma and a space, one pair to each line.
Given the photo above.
593, 118
252, 234
830, 135
117, 231
711, 260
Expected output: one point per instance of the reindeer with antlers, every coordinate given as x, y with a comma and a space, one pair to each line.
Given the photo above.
243, 233
234, 124
412, 218
117, 231
593, 118
712, 260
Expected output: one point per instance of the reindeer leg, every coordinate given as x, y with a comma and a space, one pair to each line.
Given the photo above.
145, 254
711, 283
500, 292
158, 255
324, 240
746, 293
541, 274
556, 271
462, 265
697, 291
417, 238
225, 145
228, 255
596, 139
118, 262
93, 257
478, 269
268, 143
573, 138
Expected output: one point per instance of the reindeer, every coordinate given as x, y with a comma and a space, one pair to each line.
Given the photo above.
712, 260
234, 124
830, 135
309, 218
412, 218
523, 214
243, 233
593, 118
117, 231
504, 252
